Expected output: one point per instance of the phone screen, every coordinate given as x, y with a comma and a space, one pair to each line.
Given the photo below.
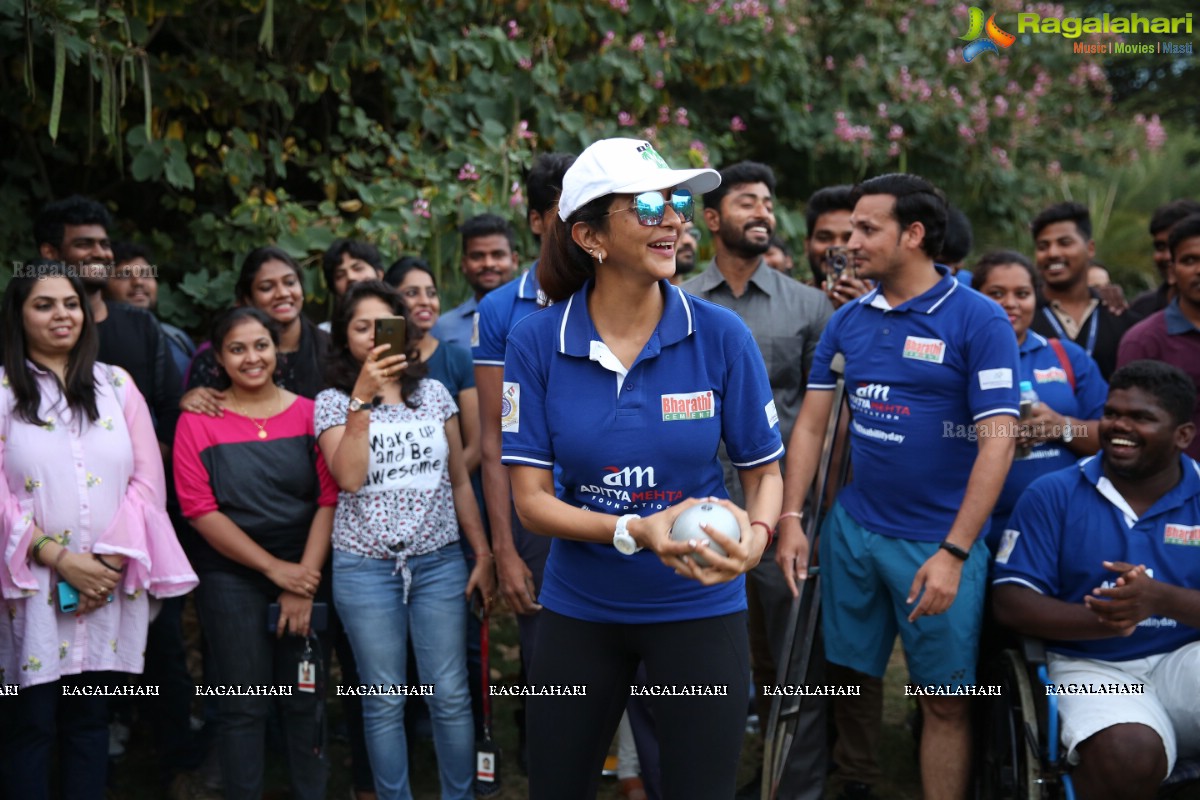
390, 330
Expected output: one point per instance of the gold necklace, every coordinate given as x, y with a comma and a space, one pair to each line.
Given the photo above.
262, 430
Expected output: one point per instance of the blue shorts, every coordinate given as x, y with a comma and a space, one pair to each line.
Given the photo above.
865, 582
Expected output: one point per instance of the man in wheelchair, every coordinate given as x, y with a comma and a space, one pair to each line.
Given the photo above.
1102, 560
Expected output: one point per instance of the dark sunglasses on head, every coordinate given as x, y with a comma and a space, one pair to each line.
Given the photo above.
650, 207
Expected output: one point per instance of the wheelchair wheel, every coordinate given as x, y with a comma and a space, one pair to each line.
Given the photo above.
1007, 761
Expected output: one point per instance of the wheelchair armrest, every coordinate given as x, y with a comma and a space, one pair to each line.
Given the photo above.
1034, 650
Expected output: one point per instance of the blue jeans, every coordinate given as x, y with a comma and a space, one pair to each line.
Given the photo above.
370, 602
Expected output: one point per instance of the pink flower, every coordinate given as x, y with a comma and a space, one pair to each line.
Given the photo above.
626, 120
882, 110
681, 117
420, 207
650, 134
468, 173
663, 41
525, 63
620, 5
1156, 134
966, 133
1001, 105
737, 125
658, 82
514, 30
523, 131
895, 133
1054, 169
608, 39
893, 149
1001, 156
637, 43
516, 198
664, 115
829, 64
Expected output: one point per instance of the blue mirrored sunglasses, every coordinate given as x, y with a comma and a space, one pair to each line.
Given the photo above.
650, 207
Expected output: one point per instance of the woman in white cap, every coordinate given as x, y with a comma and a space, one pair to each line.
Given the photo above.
626, 387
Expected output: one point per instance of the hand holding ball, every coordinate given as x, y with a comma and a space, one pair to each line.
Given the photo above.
718, 517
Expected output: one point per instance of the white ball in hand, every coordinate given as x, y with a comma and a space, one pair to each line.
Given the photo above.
719, 518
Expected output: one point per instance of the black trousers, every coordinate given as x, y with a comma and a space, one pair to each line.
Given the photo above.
699, 735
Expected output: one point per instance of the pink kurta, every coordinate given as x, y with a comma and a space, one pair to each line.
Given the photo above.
95, 488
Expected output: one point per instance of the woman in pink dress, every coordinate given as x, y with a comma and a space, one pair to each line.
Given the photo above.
85, 534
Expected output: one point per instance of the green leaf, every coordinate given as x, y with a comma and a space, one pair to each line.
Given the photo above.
146, 165
178, 171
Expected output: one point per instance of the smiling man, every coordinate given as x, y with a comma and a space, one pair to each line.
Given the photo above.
1173, 334
1068, 309
1100, 560
786, 318
900, 550
489, 259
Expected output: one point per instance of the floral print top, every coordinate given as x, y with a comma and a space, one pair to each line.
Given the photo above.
95, 488
405, 507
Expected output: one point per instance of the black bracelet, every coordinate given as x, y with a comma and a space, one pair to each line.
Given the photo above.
955, 550
105, 563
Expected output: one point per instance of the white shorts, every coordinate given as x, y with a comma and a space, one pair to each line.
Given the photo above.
1169, 704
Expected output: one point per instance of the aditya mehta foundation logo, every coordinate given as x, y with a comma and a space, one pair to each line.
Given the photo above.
984, 37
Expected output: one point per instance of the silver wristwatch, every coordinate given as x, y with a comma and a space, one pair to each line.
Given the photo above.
622, 540
359, 405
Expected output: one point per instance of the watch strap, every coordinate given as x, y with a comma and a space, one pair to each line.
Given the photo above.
954, 550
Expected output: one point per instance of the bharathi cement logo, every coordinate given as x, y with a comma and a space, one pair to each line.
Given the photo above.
984, 38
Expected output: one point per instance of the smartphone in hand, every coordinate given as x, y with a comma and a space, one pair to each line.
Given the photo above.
391, 331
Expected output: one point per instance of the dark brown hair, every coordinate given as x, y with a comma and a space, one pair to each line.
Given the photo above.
564, 267
342, 368
79, 389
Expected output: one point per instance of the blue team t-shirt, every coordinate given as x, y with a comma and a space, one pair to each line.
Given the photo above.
501, 309
636, 443
1041, 366
1070, 521
918, 378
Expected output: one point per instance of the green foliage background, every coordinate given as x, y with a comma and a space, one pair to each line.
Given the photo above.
212, 127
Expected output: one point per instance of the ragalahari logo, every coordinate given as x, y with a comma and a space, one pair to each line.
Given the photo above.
984, 38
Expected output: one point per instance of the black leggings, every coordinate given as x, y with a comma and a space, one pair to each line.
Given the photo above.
700, 737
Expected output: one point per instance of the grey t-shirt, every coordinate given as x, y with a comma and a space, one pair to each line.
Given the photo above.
786, 318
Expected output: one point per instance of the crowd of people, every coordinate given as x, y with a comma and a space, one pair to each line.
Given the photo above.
1020, 444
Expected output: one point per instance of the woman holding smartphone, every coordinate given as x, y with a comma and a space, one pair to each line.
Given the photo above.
626, 387
391, 439
253, 485
85, 536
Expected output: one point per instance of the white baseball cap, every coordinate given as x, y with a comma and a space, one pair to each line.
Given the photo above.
625, 166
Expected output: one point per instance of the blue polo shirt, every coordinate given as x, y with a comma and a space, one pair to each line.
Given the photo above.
498, 311
1041, 366
455, 326
635, 442
918, 377
1068, 522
